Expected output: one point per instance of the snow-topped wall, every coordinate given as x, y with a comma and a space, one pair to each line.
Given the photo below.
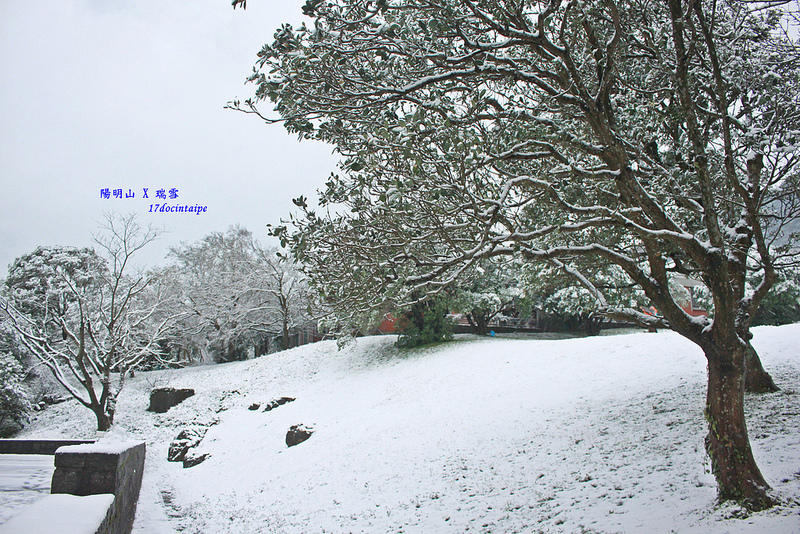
36, 446
102, 480
99, 468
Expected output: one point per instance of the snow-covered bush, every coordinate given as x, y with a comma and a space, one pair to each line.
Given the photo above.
489, 290
573, 307
425, 323
14, 405
782, 304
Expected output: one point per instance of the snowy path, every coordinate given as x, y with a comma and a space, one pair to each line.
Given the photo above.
24, 479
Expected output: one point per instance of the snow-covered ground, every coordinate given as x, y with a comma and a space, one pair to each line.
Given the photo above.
599, 434
24, 479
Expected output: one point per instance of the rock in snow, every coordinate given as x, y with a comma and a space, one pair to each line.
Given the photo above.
162, 399
194, 459
277, 402
187, 439
298, 434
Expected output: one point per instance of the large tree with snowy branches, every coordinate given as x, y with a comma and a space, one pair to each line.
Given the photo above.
659, 137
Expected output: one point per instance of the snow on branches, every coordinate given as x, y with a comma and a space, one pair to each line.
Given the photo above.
89, 318
472, 130
658, 138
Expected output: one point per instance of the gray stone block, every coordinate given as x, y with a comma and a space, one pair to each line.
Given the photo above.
162, 399
103, 468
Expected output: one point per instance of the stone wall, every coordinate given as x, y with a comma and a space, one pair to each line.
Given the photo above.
114, 468
36, 446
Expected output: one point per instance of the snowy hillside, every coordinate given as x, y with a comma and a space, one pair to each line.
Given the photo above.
496, 435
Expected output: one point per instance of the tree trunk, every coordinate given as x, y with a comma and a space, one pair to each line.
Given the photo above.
757, 380
285, 340
261, 346
104, 421
477, 319
591, 324
727, 444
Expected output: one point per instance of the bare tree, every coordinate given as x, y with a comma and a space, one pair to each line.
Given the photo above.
236, 293
90, 318
288, 290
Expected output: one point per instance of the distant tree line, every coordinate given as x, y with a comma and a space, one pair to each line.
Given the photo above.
80, 321
236, 298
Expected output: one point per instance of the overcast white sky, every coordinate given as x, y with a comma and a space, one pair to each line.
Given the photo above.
129, 94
